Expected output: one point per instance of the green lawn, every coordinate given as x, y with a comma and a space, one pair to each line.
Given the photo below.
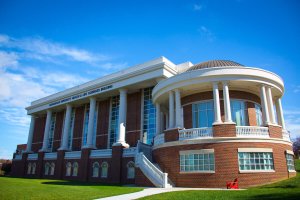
43, 189
286, 190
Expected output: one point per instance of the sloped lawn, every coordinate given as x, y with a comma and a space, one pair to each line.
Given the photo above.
43, 189
284, 190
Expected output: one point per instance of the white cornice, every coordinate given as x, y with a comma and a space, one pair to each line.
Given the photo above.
144, 69
209, 75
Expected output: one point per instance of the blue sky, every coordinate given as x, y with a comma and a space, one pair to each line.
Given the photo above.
47, 46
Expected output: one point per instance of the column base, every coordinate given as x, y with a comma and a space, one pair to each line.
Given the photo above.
44, 150
123, 144
63, 149
88, 147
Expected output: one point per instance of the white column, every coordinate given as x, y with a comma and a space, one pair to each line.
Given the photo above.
30, 134
280, 113
264, 105
161, 122
171, 110
270, 105
226, 98
178, 108
122, 118
167, 121
158, 120
89, 141
66, 130
46, 131
217, 108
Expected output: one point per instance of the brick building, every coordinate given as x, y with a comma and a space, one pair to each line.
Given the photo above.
161, 124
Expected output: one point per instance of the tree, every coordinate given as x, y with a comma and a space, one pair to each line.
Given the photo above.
296, 147
6, 167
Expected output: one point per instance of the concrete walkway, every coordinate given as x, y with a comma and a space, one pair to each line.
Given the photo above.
152, 191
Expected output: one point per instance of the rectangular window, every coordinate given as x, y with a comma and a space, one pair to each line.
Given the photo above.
256, 161
149, 123
203, 114
197, 161
51, 132
70, 134
114, 120
290, 162
85, 124
258, 115
239, 112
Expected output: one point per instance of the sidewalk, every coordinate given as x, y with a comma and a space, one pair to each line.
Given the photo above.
152, 191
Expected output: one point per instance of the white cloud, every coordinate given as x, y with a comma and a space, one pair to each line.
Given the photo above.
41, 49
297, 89
206, 34
8, 59
292, 122
197, 7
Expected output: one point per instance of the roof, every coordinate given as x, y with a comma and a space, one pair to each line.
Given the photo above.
214, 63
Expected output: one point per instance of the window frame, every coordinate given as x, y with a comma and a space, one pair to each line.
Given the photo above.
104, 173
130, 170
255, 152
196, 159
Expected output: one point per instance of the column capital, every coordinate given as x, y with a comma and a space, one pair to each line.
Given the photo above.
123, 90
225, 83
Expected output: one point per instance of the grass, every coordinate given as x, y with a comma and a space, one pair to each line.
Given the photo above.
287, 190
22, 188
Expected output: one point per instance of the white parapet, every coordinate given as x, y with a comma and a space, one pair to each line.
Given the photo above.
159, 139
50, 156
32, 156
286, 135
101, 153
252, 131
73, 155
129, 152
195, 133
18, 157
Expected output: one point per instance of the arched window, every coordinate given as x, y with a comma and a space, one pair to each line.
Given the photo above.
52, 168
68, 169
130, 170
28, 168
33, 168
104, 170
47, 168
75, 169
96, 169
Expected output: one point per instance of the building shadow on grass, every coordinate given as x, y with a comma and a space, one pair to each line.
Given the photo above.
277, 196
77, 183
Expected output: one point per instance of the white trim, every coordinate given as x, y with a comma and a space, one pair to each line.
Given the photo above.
197, 172
142, 115
289, 152
222, 140
208, 75
109, 122
256, 171
240, 150
201, 151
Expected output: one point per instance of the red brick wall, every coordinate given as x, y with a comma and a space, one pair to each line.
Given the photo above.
171, 135
226, 165
78, 128
224, 130
133, 118
141, 179
251, 114
38, 133
102, 124
58, 130
275, 131
187, 116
